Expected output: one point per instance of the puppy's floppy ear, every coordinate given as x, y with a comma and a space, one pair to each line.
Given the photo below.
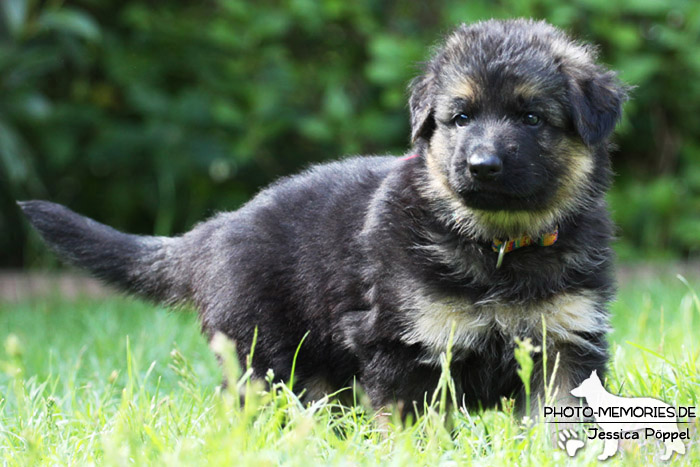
422, 103
596, 100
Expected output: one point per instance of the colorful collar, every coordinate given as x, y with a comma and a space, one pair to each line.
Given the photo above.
503, 247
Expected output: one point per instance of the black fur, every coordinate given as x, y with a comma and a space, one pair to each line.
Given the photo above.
375, 257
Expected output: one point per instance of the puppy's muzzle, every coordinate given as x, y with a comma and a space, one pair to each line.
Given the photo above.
484, 166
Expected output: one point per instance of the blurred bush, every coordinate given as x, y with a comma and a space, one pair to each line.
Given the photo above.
151, 115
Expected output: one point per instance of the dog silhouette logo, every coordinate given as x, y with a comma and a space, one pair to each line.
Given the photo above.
624, 418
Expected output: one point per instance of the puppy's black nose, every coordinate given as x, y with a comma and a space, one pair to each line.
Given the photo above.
485, 167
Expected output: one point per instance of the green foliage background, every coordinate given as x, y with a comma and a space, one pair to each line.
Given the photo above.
151, 115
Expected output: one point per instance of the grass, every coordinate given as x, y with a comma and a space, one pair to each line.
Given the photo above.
121, 382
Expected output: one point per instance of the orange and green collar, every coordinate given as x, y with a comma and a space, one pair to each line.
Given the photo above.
502, 247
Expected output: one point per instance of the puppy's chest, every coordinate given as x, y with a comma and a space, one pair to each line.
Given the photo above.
430, 321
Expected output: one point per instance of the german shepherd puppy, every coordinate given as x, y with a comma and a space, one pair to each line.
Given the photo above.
494, 221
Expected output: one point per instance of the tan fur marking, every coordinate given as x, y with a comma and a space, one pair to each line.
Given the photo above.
580, 167
440, 186
431, 320
432, 324
533, 223
316, 388
527, 90
509, 224
464, 88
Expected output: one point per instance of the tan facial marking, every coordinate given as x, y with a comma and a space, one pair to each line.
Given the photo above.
508, 224
580, 167
464, 88
569, 194
438, 188
527, 90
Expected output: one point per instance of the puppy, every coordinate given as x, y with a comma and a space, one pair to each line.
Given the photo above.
492, 222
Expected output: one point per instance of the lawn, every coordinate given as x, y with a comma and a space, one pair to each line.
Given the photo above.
119, 381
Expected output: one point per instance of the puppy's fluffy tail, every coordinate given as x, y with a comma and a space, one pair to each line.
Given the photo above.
143, 265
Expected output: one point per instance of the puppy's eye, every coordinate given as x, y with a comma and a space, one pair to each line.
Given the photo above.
461, 119
531, 119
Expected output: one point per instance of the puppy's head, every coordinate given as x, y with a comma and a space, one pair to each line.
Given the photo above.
514, 118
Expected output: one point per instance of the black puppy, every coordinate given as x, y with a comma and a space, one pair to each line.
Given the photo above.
495, 219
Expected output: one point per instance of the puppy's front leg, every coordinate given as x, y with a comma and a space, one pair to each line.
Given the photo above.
394, 378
